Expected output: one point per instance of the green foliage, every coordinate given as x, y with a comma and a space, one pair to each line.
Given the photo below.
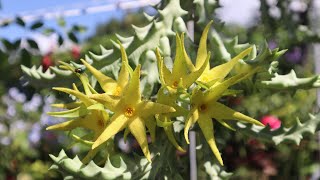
294, 133
158, 33
291, 82
215, 172
115, 168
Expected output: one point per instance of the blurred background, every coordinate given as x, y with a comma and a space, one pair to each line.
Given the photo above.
37, 32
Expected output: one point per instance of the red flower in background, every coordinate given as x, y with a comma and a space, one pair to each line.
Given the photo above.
272, 121
76, 52
46, 62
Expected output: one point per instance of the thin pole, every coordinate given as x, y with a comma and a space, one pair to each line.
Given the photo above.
315, 25
192, 134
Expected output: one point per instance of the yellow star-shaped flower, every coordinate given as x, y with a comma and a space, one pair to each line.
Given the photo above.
180, 76
205, 107
131, 112
86, 113
218, 73
109, 85
164, 120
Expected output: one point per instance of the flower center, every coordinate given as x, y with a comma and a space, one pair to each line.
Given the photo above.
117, 91
100, 123
129, 111
175, 84
204, 78
203, 107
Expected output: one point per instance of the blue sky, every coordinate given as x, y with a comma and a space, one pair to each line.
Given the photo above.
240, 12
12, 8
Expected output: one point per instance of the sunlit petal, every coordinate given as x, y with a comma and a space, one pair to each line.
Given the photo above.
202, 50
220, 111
148, 108
192, 118
105, 82
85, 99
132, 94
118, 122
137, 128
206, 126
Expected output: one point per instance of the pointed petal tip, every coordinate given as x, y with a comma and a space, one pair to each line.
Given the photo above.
172, 109
260, 124
58, 88
49, 128
148, 158
181, 149
50, 113
186, 136
83, 61
95, 145
221, 163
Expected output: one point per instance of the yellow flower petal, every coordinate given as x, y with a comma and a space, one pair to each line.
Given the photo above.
107, 100
223, 70
163, 121
94, 121
125, 70
193, 76
202, 50
77, 94
220, 111
67, 106
207, 129
179, 69
148, 108
106, 83
132, 94
82, 76
191, 119
66, 126
117, 123
151, 124
72, 113
90, 155
75, 87
225, 124
169, 132
164, 72
137, 128
186, 57
216, 91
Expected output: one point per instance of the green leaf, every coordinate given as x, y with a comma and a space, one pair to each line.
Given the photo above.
20, 21
16, 44
79, 28
36, 25
25, 57
33, 44
290, 81
61, 22
9, 46
215, 171
60, 39
73, 37
115, 168
294, 133
3, 56
48, 31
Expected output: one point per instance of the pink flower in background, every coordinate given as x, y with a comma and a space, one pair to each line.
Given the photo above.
47, 61
272, 121
76, 52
